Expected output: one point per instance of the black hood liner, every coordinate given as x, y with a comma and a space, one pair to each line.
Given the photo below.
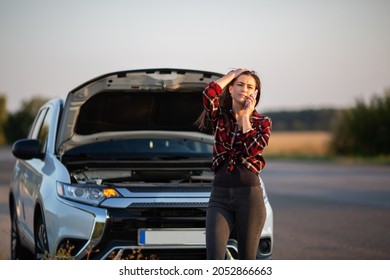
147, 110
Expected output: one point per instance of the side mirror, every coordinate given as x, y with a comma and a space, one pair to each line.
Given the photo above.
27, 149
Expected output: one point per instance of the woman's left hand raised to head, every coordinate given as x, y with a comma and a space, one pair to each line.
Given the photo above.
231, 75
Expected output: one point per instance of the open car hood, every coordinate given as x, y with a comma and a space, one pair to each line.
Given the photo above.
114, 105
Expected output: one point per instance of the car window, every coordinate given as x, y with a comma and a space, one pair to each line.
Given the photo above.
37, 124
44, 131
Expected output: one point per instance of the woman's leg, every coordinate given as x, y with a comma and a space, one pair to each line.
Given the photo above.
250, 219
218, 227
219, 223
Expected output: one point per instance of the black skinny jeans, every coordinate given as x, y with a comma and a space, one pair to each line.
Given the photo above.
242, 206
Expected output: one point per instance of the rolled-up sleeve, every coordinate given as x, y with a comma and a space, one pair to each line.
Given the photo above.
211, 96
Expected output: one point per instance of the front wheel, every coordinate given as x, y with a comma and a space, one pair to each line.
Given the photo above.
41, 244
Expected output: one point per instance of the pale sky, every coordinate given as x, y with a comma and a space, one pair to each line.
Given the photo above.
309, 54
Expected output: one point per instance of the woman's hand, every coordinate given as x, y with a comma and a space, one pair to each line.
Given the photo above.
250, 103
237, 72
225, 80
249, 107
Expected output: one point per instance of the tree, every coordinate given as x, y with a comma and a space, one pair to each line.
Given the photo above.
19, 123
3, 117
364, 129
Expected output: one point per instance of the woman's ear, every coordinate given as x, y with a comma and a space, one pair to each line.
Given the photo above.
230, 89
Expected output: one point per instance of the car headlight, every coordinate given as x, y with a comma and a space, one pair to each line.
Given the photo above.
88, 194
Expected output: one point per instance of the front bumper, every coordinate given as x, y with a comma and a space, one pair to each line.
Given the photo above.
88, 232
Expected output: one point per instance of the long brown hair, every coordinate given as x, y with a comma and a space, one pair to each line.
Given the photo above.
225, 102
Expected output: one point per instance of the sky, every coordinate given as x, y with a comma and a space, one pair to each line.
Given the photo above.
308, 53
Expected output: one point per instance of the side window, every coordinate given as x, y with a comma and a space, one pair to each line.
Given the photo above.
37, 124
44, 131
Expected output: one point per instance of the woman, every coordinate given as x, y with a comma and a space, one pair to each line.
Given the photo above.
240, 135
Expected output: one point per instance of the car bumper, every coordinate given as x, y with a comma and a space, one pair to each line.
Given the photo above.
100, 233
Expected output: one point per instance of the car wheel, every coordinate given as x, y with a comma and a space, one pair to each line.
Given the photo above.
18, 251
41, 244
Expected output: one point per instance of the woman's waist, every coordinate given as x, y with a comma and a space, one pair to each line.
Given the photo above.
240, 176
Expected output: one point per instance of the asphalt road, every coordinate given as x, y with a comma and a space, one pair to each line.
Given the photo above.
328, 211
6, 165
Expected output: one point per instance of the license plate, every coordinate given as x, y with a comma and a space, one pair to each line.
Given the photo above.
172, 236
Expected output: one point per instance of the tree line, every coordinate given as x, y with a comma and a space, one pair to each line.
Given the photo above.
14, 126
362, 130
303, 120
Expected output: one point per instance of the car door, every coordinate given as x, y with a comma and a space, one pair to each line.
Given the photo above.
31, 174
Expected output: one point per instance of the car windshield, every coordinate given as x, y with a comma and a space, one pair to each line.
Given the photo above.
146, 148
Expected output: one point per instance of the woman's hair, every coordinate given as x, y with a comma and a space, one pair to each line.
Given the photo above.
225, 101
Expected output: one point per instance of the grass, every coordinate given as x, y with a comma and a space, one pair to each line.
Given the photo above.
300, 144
65, 253
311, 145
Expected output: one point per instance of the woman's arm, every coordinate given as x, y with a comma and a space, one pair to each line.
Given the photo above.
256, 139
225, 80
250, 104
213, 91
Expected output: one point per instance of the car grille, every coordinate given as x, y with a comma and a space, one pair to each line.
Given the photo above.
168, 212
133, 218
163, 205
130, 220
123, 226
179, 189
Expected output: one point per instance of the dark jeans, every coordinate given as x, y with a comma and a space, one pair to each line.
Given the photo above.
242, 207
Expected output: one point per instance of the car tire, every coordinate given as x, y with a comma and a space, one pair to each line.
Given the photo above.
41, 243
18, 251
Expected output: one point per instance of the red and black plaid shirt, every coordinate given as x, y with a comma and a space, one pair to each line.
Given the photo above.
230, 143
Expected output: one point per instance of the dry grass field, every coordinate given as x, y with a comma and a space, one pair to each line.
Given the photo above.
298, 143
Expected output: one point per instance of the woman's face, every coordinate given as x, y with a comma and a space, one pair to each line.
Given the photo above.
242, 87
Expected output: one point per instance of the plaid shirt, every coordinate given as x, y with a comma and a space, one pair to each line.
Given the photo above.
230, 143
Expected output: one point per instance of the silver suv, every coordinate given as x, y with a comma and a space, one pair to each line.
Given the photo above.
118, 171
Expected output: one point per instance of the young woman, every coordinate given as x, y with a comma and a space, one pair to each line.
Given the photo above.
240, 135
